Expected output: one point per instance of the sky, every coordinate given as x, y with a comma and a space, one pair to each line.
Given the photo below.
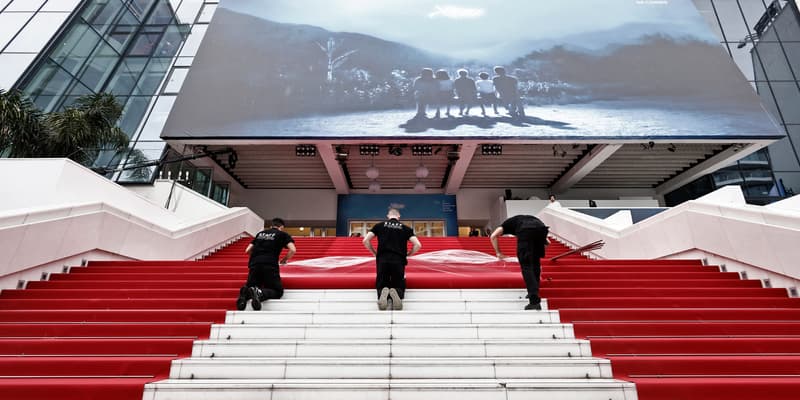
470, 28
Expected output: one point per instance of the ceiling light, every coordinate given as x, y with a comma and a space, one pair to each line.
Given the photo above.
374, 186
419, 187
422, 171
492, 149
421, 150
305, 150
372, 172
369, 150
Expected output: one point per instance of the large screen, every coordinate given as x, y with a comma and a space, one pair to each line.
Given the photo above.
510, 69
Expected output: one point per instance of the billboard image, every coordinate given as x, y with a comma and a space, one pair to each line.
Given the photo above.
585, 69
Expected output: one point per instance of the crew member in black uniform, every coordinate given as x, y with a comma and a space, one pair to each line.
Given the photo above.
532, 239
390, 258
264, 278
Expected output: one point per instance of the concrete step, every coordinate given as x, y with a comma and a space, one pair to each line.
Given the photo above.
395, 389
390, 331
411, 294
393, 368
393, 348
409, 304
391, 317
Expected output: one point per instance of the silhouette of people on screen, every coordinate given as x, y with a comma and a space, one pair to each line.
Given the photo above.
425, 90
437, 90
466, 91
486, 93
508, 92
445, 95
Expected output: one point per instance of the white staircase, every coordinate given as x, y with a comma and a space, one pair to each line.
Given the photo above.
444, 344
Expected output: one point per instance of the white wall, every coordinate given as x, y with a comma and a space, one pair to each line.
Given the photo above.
720, 227
54, 209
296, 206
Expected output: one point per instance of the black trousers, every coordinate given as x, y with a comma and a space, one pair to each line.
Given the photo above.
391, 275
268, 278
529, 254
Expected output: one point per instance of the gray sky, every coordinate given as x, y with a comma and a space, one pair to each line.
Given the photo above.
468, 28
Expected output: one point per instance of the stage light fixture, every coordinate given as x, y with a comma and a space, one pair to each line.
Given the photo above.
395, 151
369, 150
305, 150
671, 148
421, 150
492, 149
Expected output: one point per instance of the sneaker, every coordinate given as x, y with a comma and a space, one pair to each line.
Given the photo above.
255, 295
383, 300
534, 306
397, 302
244, 295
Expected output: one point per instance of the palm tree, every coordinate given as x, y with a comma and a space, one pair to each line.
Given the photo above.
80, 132
22, 133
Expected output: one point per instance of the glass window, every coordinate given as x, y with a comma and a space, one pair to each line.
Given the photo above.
101, 15
202, 181
133, 113
157, 119
76, 48
49, 83
100, 67
127, 75
152, 76
220, 193
193, 41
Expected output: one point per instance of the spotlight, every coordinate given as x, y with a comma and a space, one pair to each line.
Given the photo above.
648, 146
492, 149
305, 150
369, 150
421, 150
395, 151
438, 150
671, 148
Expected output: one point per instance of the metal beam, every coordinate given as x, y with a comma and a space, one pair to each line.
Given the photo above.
720, 160
328, 156
596, 156
460, 167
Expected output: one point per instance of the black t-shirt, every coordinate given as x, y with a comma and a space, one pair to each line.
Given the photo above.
392, 241
530, 231
267, 246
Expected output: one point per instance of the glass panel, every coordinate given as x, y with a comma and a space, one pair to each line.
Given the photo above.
188, 11
49, 83
73, 52
102, 14
100, 67
170, 42
132, 114
153, 75
202, 181
220, 193
128, 73
162, 15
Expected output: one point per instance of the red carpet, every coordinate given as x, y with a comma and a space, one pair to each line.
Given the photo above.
680, 330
